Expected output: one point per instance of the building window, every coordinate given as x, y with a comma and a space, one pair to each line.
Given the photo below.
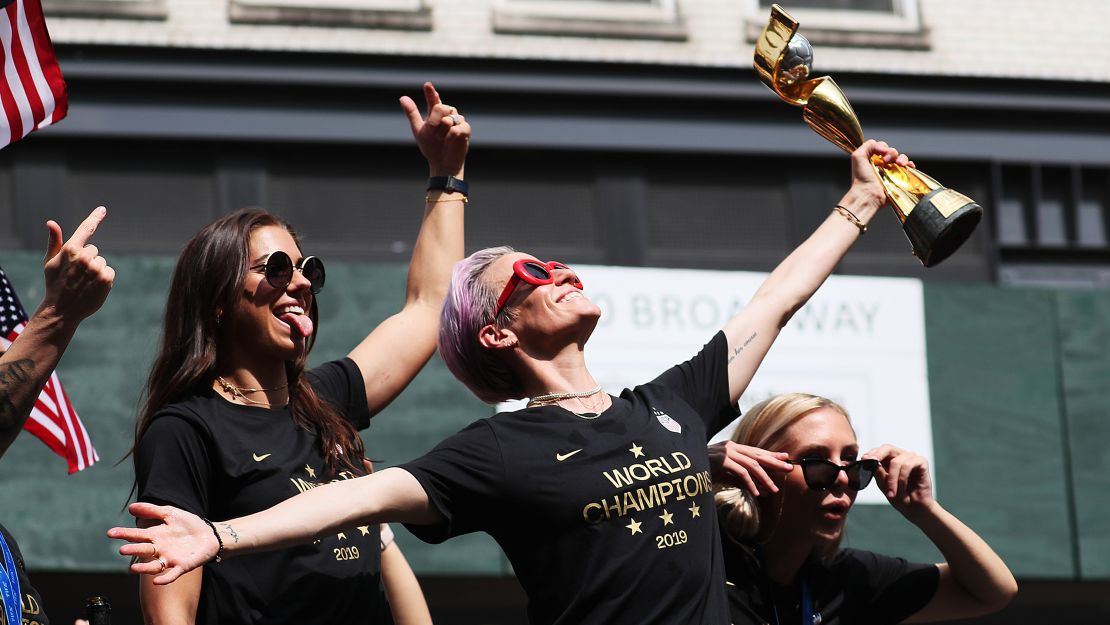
140, 9
401, 14
1053, 224
889, 6
886, 23
634, 19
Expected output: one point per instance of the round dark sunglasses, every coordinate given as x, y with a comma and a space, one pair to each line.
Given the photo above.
533, 272
820, 474
278, 270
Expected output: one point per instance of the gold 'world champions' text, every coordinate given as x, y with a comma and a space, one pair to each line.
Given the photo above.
652, 495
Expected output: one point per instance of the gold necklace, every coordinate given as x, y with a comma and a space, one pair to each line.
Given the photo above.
554, 398
237, 392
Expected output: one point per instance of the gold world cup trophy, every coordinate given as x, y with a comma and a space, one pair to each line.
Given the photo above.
935, 219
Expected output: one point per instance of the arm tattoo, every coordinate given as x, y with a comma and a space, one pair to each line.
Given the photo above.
739, 348
17, 394
230, 531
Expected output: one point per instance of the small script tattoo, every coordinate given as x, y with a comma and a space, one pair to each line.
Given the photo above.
230, 531
736, 350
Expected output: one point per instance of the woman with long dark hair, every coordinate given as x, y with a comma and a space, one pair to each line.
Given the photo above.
799, 469
603, 504
233, 423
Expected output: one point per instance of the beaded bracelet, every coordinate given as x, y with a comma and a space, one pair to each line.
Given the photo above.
850, 216
219, 552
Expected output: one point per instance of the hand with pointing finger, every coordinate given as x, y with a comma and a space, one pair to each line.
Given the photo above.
78, 278
443, 136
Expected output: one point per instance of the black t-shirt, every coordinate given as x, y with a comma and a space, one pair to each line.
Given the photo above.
222, 460
853, 587
607, 520
33, 612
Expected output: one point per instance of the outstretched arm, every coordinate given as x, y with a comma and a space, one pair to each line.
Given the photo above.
753, 330
402, 589
394, 352
77, 282
183, 541
973, 579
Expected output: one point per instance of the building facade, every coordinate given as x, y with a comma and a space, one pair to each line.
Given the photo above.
627, 132
623, 117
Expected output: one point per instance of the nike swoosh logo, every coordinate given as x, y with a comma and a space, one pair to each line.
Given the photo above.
258, 458
562, 457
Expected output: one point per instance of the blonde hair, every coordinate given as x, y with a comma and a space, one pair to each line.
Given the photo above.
763, 426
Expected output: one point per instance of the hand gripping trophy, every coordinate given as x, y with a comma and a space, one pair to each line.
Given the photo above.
936, 220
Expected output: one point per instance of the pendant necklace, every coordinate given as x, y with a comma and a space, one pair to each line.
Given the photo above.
237, 392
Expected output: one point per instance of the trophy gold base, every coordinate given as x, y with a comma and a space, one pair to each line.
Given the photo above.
939, 224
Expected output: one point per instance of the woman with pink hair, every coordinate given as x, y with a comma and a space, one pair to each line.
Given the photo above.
602, 503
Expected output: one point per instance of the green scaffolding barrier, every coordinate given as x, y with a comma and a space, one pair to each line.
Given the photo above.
1016, 381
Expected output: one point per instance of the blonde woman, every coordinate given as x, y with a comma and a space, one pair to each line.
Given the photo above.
798, 469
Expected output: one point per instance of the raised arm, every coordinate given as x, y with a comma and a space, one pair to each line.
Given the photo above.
182, 541
393, 353
973, 579
78, 280
753, 330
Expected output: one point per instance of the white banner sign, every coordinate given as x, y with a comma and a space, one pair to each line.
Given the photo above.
860, 341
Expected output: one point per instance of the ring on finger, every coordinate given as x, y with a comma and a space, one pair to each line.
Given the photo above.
162, 564
456, 119
155, 553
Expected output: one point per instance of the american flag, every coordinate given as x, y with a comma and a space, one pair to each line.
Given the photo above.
53, 419
32, 90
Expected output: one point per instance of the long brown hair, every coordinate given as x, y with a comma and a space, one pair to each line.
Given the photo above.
208, 278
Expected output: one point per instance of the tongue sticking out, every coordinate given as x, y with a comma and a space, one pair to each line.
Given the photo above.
299, 323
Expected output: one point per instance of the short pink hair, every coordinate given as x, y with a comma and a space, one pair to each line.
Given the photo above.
469, 306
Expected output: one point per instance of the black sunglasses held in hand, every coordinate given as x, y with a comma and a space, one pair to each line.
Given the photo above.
278, 270
821, 474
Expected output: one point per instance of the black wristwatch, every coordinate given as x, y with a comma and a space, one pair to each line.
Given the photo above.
448, 184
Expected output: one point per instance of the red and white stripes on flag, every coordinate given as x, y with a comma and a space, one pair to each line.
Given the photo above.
32, 90
55, 423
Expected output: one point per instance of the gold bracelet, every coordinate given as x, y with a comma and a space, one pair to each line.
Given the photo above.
850, 216
462, 198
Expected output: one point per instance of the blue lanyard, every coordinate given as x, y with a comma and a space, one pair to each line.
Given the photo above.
9, 587
808, 615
